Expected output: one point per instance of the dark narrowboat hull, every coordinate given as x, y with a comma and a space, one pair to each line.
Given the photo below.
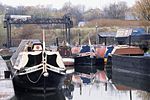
53, 81
52, 95
131, 71
87, 64
108, 67
86, 69
89, 61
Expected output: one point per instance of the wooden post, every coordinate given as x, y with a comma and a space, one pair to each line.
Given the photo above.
69, 35
105, 41
129, 40
8, 34
66, 32
147, 29
106, 86
57, 43
96, 35
80, 89
130, 94
79, 37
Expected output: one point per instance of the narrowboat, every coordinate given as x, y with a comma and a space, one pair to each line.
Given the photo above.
36, 67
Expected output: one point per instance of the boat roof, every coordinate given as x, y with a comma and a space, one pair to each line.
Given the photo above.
126, 49
87, 48
21, 47
107, 34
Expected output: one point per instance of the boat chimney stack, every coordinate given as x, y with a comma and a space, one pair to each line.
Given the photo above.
43, 40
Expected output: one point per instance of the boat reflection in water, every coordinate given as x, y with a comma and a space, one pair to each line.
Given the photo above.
54, 95
97, 87
144, 95
80, 86
64, 93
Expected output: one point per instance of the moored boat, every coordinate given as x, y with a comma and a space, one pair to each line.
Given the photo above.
130, 67
65, 52
36, 67
131, 71
88, 57
68, 61
121, 50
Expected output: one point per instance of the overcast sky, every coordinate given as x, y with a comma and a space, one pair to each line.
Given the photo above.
59, 3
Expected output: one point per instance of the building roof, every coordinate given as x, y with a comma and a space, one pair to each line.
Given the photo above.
107, 34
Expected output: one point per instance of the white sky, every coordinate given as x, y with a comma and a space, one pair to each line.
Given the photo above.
59, 3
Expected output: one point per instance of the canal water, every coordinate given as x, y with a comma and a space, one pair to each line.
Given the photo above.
78, 86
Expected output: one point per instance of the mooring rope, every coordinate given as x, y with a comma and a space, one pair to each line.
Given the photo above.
14, 74
36, 80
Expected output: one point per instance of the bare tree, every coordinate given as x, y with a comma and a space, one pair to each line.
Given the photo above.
75, 11
116, 11
142, 9
92, 14
2, 9
67, 7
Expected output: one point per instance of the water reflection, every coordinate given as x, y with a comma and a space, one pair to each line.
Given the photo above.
80, 86
55, 95
95, 86
144, 95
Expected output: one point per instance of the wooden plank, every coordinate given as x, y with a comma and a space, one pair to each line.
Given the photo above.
128, 50
20, 48
6, 89
6, 86
3, 67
